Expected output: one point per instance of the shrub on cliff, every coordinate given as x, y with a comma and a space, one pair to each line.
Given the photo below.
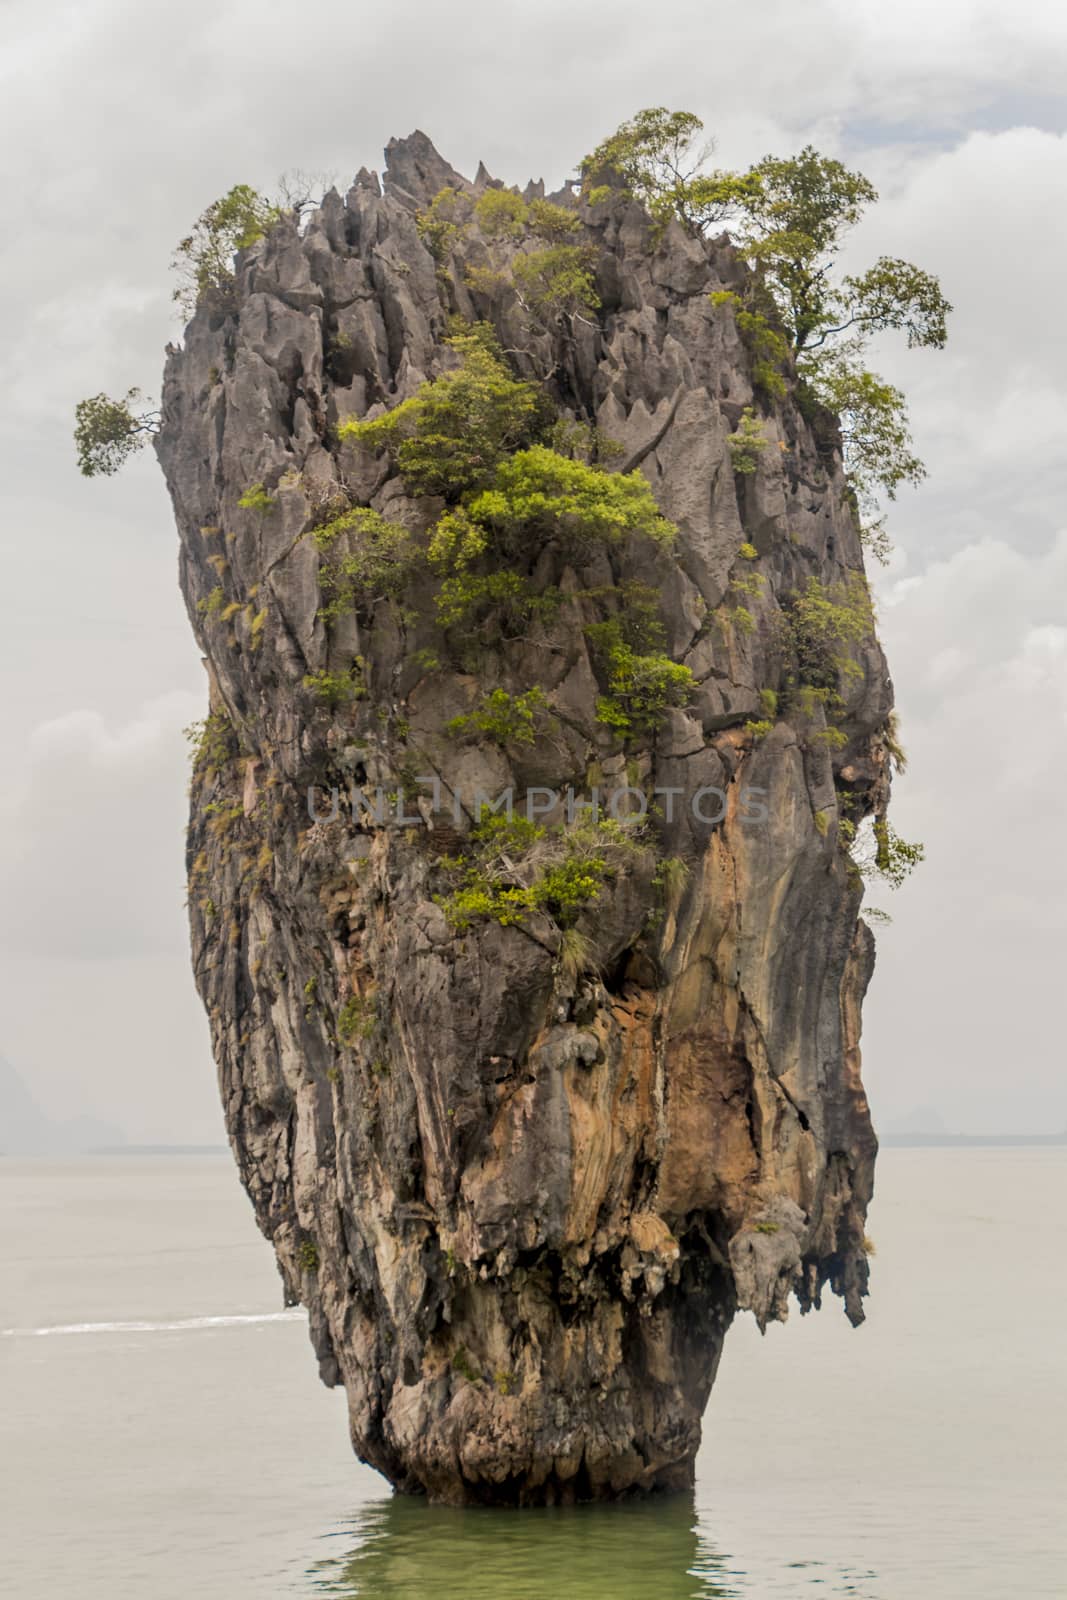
876, 850
504, 718
656, 158
551, 283
538, 492
820, 625
747, 443
466, 436
203, 260
790, 216
512, 867
450, 436
641, 686
557, 280
504, 214
443, 222
376, 566
501, 214
107, 432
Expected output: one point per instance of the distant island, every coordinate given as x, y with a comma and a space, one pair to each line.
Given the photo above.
924, 1128
26, 1130
987, 1141
159, 1150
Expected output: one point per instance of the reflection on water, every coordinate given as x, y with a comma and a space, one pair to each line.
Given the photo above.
406, 1550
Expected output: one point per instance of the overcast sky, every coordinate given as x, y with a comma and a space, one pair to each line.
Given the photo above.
121, 121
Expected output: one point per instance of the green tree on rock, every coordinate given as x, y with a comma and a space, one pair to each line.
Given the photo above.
107, 432
791, 215
203, 260
656, 157
793, 226
449, 437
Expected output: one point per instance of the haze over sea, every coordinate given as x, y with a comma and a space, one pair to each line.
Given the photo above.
167, 1436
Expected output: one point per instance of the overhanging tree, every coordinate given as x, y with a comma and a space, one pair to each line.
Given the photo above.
657, 157
107, 432
792, 226
790, 216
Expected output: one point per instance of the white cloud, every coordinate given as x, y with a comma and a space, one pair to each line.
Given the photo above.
990, 411
964, 1007
927, 63
91, 861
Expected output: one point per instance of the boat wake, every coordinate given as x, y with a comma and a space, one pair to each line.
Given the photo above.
183, 1325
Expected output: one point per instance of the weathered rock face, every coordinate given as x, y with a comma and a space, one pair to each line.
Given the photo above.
521, 1202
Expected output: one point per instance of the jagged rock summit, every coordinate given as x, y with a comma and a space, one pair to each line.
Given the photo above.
522, 1173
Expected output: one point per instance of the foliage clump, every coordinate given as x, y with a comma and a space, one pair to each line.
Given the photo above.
576, 954
357, 1019
257, 497
767, 345
513, 867
876, 850
747, 443
656, 158
469, 602
504, 214
212, 743
107, 432
462, 1363
376, 566
822, 628
307, 1253
504, 718
335, 689
203, 260
557, 280
443, 222
449, 437
822, 624
540, 492
550, 221
670, 879
501, 214
640, 686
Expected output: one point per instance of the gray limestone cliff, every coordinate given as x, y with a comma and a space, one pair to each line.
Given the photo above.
522, 1197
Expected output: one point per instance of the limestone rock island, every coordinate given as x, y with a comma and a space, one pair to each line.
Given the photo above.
519, 886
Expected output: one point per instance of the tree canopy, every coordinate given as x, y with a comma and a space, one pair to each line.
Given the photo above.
107, 432
790, 216
658, 155
449, 437
203, 260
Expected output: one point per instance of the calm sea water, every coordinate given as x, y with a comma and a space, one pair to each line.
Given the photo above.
165, 1434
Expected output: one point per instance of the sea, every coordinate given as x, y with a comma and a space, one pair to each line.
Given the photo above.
165, 1435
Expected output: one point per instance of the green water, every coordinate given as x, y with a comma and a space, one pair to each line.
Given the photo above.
405, 1550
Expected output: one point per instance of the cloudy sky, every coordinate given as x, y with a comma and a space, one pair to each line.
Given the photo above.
122, 121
